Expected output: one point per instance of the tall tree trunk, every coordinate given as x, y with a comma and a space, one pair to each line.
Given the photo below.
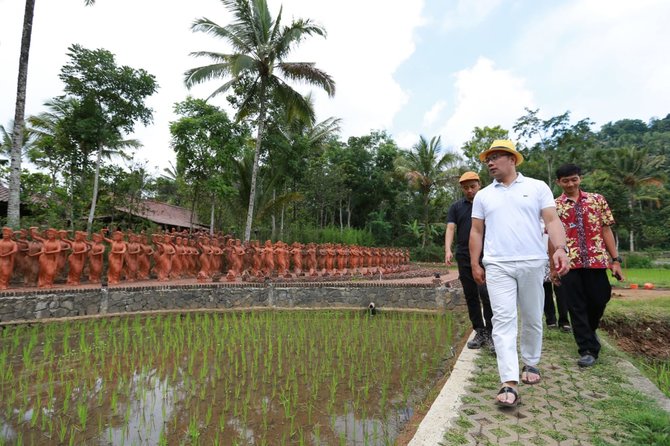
272, 217
631, 233
281, 222
14, 203
341, 219
211, 219
94, 200
254, 170
349, 212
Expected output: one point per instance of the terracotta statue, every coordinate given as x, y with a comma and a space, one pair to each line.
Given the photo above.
178, 259
8, 250
66, 246
95, 257
205, 258
282, 258
217, 256
23, 263
47, 256
77, 258
130, 261
330, 258
321, 254
163, 256
255, 251
296, 257
143, 258
342, 258
311, 253
116, 257
268, 258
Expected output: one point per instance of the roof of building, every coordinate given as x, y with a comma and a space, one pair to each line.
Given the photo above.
4, 193
163, 214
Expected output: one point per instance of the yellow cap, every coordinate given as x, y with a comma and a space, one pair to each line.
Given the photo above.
467, 176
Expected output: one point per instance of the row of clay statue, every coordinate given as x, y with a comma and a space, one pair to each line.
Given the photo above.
39, 257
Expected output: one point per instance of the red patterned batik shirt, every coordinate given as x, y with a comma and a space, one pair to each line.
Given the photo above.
583, 221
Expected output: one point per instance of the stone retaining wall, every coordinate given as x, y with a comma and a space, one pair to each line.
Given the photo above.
46, 304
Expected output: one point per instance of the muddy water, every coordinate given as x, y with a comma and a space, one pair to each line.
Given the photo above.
301, 377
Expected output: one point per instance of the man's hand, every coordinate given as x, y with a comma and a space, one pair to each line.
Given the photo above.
479, 274
561, 262
448, 256
617, 272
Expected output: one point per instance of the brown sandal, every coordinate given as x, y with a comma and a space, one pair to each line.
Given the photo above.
530, 369
506, 390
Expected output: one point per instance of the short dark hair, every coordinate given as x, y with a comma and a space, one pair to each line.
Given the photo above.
568, 170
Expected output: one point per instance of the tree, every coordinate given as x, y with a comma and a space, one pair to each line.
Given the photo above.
260, 47
13, 206
641, 176
206, 142
559, 141
425, 169
481, 140
111, 100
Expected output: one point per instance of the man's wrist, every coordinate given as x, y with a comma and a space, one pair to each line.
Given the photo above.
563, 248
617, 259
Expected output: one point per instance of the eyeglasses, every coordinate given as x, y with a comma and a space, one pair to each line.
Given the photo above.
493, 157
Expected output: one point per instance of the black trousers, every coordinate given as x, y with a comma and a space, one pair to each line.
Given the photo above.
587, 292
476, 298
550, 308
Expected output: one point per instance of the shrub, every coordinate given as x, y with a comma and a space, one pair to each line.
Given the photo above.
636, 260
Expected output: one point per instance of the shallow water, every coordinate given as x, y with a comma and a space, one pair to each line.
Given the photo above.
268, 377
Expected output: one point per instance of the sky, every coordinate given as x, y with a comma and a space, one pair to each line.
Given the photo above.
409, 67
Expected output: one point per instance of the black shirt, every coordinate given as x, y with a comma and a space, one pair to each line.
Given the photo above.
460, 213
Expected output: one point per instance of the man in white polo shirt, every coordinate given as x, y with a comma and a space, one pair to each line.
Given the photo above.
510, 209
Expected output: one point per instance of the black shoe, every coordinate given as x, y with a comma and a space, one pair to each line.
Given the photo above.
566, 328
587, 360
552, 326
478, 340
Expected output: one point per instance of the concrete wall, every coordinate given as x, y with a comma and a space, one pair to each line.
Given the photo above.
24, 305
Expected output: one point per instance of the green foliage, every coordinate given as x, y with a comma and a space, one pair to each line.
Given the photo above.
637, 260
430, 253
332, 234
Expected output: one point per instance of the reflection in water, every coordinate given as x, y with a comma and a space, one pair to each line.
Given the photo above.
370, 431
146, 414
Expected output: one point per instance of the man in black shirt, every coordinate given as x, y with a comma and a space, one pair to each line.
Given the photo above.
459, 220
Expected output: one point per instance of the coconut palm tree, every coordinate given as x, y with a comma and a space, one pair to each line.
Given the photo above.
260, 46
425, 169
13, 205
639, 172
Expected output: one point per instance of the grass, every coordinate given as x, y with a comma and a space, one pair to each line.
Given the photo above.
658, 276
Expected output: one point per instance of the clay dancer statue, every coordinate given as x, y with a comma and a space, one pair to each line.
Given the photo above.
311, 254
268, 258
330, 258
143, 258
216, 259
47, 256
130, 262
255, 251
116, 256
77, 258
26, 266
66, 245
205, 258
342, 258
8, 250
237, 260
282, 258
178, 259
164, 253
296, 257
95, 257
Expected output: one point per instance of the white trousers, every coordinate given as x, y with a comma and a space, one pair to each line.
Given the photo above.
516, 284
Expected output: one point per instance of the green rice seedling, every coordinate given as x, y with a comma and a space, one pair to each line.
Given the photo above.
62, 431
82, 414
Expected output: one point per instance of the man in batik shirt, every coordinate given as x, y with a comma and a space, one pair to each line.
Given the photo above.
587, 220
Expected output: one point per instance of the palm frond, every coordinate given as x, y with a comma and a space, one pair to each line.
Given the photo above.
206, 73
295, 104
308, 73
230, 33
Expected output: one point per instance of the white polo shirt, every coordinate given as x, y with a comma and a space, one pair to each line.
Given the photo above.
511, 217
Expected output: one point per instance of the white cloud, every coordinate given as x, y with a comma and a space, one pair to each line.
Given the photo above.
367, 41
485, 96
601, 59
405, 140
433, 114
468, 13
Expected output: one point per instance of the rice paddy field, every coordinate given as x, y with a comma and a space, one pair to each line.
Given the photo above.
318, 377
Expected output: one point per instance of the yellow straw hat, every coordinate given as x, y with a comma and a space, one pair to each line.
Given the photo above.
502, 145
